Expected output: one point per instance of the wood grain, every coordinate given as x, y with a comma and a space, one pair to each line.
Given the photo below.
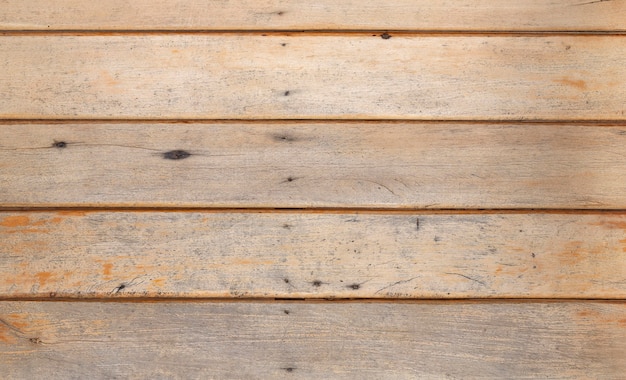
360, 76
302, 255
440, 15
319, 341
309, 164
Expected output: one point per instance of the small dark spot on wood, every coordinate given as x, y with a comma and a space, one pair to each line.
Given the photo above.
176, 155
283, 44
532, 254
283, 137
286, 93
286, 311
521, 230
290, 179
280, 13
120, 288
59, 144
286, 280
317, 283
385, 36
287, 226
417, 224
35, 340
534, 267
567, 47
354, 286
437, 238
289, 369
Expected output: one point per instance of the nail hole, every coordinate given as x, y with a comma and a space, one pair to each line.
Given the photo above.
385, 36
59, 144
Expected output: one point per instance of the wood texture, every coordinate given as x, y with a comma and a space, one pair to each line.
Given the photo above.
396, 165
313, 76
287, 255
441, 15
325, 340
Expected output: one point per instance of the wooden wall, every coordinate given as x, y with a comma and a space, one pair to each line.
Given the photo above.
330, 189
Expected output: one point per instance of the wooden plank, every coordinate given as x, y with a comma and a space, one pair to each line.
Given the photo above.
313, 76
318, 341
310, 164
303, 255
441, 15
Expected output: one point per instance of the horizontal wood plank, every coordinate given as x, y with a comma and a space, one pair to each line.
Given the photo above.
313, 76
393, 165
440, 15
455, 340
303, 255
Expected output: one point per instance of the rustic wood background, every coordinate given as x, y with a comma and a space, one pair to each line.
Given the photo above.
313, 189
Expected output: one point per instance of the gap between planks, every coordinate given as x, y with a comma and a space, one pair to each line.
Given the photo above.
312, 32
321, 301
468, 123
320, 210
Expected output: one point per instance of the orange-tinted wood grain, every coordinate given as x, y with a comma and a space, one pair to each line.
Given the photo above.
308, 255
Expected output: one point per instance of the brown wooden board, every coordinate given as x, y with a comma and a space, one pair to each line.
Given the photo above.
111, 254
312, 164
425, 15
292, 76
458, 340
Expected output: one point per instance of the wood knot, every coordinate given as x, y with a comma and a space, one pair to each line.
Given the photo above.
176, 155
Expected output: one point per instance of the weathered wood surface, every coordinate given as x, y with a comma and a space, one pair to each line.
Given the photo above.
438, 15
302, 255
58, 340
313, 76
396, 165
